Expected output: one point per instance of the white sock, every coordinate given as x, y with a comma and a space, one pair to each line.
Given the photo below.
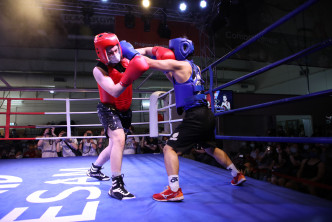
233, 169
115, 174
173, 181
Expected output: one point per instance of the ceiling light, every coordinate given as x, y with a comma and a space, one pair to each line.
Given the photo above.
146, 3
202, 3
183, 6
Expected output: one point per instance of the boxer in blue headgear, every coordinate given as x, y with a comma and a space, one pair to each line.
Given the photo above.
182, 48
198, 124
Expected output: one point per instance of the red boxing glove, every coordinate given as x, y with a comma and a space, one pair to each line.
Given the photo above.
162, 53
136, 67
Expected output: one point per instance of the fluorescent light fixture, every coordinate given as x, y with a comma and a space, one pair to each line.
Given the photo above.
14, 103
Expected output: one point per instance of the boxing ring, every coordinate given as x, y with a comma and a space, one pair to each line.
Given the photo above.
57, 189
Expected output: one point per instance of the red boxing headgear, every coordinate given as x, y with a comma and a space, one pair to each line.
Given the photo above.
102, 41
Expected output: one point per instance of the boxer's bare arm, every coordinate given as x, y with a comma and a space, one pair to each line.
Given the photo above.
107, 83
180, 70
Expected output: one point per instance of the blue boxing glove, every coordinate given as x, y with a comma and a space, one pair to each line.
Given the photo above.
128, 50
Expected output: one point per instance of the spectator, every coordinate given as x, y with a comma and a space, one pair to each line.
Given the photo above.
63, 145
266, 163
130, 146
325, 149
201, 155
32, 152
162, 143
295, 158
131, 131
13, 134
88, 146
24, 146
101, 142
12, 153
19, 154
150, 145
4, 154
311, 169
256, 154
281, 165
250, 168
48, 146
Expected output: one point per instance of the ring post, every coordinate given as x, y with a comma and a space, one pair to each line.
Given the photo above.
68, 117
153, 113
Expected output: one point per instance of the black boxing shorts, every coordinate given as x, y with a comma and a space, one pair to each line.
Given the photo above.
197, 127
113, 119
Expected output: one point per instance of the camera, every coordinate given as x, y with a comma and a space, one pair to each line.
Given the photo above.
89, 134
268, 148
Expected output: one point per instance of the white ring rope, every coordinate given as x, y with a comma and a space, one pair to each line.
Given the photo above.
153, 116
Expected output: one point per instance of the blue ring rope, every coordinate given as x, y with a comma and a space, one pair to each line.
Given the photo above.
309, 50
297, 55
266, 30
278, 139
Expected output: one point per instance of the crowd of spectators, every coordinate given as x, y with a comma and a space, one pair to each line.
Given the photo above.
15, 149
301, 166
47, 147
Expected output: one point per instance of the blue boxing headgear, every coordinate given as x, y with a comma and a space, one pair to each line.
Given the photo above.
181, 47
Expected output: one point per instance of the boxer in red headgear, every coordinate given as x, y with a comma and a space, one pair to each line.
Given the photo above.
119, 65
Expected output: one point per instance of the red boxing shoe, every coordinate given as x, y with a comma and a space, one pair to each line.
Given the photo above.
238, 180
169, 195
